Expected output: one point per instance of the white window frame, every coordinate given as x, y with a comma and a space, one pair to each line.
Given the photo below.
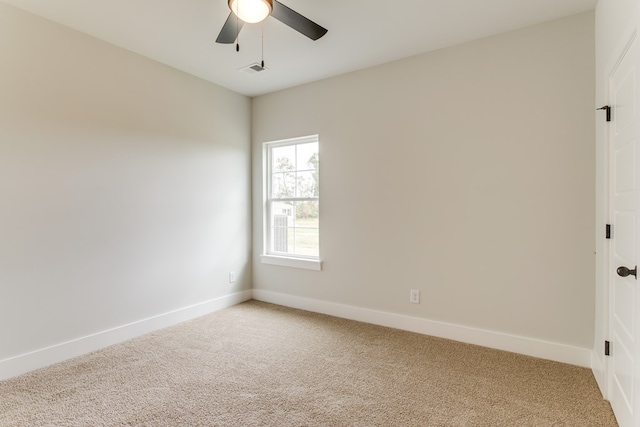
267, 257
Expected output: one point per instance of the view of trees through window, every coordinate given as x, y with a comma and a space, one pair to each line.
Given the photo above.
294, 199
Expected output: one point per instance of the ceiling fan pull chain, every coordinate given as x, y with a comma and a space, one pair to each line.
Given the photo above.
237, 29
262, 65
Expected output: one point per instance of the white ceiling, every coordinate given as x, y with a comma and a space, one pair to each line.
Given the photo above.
362, 33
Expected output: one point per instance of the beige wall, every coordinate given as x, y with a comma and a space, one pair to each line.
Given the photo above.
466, 173
124, 186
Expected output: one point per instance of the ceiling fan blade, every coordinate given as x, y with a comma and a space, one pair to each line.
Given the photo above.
230, 30
296, 21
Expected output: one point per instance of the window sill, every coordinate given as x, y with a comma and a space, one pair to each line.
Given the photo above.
307, 264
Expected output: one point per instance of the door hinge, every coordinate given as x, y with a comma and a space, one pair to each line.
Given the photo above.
607, 348
608, 231
607, 108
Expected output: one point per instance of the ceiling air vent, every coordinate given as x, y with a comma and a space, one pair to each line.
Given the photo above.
253, 68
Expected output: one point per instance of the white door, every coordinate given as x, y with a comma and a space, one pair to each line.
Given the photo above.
624, 288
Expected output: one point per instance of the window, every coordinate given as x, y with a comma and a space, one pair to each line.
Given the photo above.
292, 210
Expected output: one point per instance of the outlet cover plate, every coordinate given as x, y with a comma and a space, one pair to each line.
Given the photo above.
414, 297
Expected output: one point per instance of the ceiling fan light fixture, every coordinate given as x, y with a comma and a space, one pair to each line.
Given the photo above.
251, 11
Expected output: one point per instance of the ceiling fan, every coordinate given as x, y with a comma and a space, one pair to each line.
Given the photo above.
252, 11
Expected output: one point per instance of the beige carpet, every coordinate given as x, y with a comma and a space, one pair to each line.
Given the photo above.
258, 364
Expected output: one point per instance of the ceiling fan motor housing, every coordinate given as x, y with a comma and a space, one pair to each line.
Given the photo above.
274, 8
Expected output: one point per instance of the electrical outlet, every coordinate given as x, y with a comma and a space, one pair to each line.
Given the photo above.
232, 277
414, 297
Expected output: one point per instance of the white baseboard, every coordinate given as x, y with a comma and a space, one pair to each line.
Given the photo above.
513, 343
47, 356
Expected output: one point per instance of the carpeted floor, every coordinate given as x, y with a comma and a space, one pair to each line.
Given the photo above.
258, 364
